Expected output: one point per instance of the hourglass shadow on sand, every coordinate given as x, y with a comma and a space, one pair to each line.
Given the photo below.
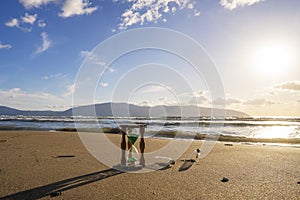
56, 189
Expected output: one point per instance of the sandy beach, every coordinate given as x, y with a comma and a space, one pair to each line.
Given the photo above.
55, 165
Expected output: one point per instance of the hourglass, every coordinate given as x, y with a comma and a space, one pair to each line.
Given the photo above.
132, 132
132, 151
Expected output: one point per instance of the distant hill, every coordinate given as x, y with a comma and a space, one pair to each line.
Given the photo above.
11, 111
125, 110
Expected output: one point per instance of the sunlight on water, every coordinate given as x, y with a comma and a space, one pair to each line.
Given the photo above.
275, 132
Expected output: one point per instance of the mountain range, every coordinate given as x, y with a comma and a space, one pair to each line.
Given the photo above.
126, 110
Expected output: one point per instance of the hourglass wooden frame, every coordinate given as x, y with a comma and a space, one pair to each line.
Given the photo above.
125, 128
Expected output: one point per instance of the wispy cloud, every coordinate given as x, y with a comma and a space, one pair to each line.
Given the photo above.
77, 7
293, 86
46, 44
259, 101
232, 4
12, 23
41, 23
227, 101
84, 53
70, 90
104, 84
195, 98
5, 46
20, 23
28, 4
92, 58
29, 19
142, 11
196, 13
18, 98
111, 70
54, 76
199, 99
155, 88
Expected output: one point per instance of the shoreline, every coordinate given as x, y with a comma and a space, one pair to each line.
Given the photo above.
175, 135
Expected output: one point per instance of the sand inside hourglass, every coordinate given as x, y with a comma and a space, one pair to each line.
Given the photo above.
133, 152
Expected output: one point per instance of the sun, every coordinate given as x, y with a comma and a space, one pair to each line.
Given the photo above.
272, 59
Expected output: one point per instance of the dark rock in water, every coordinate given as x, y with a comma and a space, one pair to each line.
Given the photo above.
224, 180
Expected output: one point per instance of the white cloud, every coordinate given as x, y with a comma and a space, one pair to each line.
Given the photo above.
111, 70
197, 100
173, 10
162, 98
258, 102
227, 101
190, 6
29, 19
54, 76
155, 88
196, 13
92, 58
232, 4
28, 4
142, 11
70, 90
77, 7
16, 23
45, 78
41, 23
12, 23
84, 54
144, 103
103, 84
17, 98
45, 44
5, 46
289, 85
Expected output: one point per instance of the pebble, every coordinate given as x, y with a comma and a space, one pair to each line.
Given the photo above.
224, 180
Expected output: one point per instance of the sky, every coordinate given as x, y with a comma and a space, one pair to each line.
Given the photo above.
254, 45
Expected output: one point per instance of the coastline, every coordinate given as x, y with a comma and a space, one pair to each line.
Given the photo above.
31, 168
173, 134
197, 137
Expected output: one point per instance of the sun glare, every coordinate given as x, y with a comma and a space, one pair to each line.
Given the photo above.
270, 60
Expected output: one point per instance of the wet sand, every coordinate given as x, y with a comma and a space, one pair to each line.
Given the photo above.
55, 165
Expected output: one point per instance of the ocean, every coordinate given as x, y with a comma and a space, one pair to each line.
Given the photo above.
249, 127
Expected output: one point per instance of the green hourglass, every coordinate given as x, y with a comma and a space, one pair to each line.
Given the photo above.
132, 151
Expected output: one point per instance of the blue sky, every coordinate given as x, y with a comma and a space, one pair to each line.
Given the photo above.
253, 43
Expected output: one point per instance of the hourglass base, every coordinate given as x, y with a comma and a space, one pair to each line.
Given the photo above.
128, 168
132, 161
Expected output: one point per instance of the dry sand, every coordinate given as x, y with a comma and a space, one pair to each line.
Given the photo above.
30, 169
